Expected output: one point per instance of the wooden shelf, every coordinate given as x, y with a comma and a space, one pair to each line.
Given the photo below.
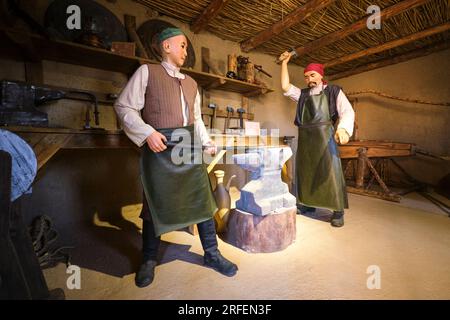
36, 48
210, 81
224, 114
31, 47
47, 141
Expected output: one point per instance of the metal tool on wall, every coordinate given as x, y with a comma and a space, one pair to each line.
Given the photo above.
241, 112
212, 106
19, 102
238, 129
260, 69
230, 111
93, 98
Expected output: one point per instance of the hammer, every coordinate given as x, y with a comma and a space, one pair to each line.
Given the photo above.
212, 106
241, 111
230, 111
293, 54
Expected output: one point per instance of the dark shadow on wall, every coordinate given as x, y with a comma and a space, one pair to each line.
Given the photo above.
80, 186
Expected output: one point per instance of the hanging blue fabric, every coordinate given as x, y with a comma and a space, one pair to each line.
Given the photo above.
24, 163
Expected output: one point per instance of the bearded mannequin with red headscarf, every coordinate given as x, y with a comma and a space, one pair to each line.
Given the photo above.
320, 108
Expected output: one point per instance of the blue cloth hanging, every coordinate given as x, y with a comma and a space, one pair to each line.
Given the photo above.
24, 163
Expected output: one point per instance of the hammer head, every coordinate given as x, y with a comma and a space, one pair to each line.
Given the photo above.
212, 106
241, 111
293, 53
230, 109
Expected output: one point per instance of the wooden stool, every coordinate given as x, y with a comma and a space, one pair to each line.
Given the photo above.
270, 233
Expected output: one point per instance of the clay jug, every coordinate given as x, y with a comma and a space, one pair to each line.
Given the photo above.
223, 200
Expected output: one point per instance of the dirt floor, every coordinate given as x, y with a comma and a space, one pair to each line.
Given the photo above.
407, 243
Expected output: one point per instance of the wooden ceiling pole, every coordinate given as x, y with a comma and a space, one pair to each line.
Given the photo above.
211, 11
394, 60
295, 17
357, 26
390, 45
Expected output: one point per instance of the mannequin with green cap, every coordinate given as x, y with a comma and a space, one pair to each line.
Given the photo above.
158, 107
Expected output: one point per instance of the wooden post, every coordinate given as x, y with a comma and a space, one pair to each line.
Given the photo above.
245, 104
361, 168
130, 25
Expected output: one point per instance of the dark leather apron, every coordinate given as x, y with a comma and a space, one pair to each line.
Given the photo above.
320, 180
178, 195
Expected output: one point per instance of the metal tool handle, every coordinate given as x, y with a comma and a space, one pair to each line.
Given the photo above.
292, 52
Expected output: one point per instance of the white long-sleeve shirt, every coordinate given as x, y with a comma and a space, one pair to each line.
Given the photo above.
343, 106
132, 100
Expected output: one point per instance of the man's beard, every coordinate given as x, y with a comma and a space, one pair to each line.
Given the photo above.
312, 84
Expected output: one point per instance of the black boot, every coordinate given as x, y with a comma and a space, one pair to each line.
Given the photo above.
150, 246
219, 263
213, 258
337, 220
301, 209
146, 273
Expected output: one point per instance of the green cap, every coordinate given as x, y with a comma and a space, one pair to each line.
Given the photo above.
169, 33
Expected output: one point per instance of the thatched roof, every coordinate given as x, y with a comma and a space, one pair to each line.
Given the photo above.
240, 20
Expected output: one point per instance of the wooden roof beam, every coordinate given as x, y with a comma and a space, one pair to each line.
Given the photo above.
357, 26
394, 60
390, 45
295, 17
211, 11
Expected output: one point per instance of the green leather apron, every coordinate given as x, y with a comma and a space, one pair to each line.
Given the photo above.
320, 180
178, 195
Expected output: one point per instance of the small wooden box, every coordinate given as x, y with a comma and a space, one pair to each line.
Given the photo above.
124, 48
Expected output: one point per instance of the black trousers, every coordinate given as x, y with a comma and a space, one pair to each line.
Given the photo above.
150, 242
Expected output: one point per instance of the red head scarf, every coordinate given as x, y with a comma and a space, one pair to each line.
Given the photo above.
317, 67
